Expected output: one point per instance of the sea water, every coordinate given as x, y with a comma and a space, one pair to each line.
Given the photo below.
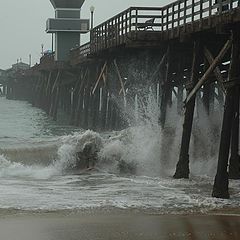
37, 158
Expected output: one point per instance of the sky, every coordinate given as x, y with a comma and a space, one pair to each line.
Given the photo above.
22, 24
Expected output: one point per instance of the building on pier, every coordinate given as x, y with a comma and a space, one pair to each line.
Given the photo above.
67, 27
20, 66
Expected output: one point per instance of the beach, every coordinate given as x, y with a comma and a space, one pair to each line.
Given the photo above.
118, 226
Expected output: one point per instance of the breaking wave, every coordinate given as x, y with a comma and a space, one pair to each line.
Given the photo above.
133, 170
143, 149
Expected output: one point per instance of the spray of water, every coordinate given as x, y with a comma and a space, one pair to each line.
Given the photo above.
155, 151
143, 148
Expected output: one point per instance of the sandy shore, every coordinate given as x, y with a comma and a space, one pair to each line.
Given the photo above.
119, 226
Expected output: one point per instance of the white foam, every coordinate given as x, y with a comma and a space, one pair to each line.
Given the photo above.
153, 151
14, 169
65, 158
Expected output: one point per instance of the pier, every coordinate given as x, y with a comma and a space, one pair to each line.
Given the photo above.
2, 82
187, 51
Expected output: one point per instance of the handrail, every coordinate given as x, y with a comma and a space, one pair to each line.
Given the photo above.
47, 59
118, 29
79, 53
115, 30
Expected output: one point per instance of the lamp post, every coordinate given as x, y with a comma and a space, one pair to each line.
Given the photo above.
92, 8
42, 46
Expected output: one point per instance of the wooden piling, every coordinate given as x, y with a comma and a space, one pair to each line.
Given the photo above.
180, 87
4, 90
182, 169
79, 109
166, 89
104, 108
55, 96
234, 162
220, 188
74, 101
95, 110
87, 96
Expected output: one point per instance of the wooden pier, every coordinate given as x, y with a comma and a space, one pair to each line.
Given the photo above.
187, 51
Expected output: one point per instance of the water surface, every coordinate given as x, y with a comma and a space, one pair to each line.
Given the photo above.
37, 156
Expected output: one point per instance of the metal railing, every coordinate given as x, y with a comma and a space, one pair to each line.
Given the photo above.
127, 24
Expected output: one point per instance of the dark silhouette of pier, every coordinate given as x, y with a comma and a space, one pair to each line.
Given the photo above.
188, 50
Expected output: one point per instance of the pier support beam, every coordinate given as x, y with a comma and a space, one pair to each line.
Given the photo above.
180, 81
220, 188
86, 106
234, 163
80, 94
182, 169
48, 92
95, 109
180, 99
166, 89
104, 107
74, 100
55, 96
4, 90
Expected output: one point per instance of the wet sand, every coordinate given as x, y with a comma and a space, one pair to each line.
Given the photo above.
118, 226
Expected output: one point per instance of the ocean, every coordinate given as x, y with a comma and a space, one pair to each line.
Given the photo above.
38, 155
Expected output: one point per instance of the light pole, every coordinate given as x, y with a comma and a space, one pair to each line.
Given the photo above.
42, 46
92, 8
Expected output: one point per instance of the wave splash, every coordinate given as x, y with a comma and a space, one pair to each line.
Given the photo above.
52, 158
142, 149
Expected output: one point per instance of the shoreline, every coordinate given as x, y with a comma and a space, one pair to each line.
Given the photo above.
225, 211
65, 225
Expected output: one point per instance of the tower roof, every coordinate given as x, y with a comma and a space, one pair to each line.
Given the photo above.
67, 3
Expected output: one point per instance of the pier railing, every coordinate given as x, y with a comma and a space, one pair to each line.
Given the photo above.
115, 31
182, 12
135, 21
80, 53
47, 60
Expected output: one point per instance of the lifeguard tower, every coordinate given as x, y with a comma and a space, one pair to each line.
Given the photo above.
67, 26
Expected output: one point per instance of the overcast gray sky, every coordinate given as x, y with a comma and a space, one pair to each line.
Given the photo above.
22, 24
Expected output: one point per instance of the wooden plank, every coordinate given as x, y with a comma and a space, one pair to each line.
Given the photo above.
179, 13
201, 9
193, 10
104, 78
185, 15
217, 71
173, 5
99, 77
204, 78
136, 20
120, 77
56, 81
163, 60
83, 81
48, 83
175, 93
144, 16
